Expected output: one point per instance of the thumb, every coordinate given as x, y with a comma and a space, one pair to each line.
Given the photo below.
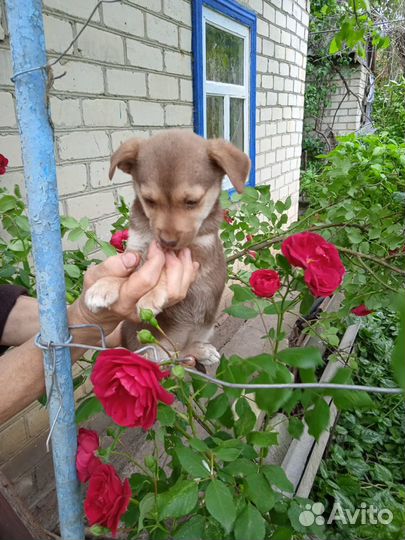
120, 265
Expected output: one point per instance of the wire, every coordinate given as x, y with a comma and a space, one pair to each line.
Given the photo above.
245, 386
48, 66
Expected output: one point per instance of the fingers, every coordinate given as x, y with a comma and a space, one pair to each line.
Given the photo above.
180, 273
116, 266
147, 277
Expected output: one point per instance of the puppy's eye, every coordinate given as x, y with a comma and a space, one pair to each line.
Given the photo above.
149, 202
191, 204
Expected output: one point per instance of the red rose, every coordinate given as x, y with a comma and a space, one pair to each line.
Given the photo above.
129, 387
249, 238
118, 239
3, 164
362, 311
265, 283
303, 248
107, 498
86, 460
323, 279
227, 217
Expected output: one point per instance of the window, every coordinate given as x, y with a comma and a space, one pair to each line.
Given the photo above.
224, 72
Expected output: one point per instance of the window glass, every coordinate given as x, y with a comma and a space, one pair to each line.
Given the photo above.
236, 121
224, 54
215, 116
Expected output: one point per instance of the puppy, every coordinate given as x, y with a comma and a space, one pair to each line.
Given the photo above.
177, 179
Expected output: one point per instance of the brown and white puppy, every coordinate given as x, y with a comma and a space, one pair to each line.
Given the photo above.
177, 179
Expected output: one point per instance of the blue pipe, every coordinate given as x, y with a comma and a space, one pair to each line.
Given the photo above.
28, 51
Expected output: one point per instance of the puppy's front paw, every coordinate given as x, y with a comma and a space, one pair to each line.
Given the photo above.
103, 294
205, 353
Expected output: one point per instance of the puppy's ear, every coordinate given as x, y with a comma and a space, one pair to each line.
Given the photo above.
231, 160
125, 157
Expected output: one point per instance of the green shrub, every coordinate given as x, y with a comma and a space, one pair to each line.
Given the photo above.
389, 108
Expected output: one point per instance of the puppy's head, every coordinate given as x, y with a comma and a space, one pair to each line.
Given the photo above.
177, 177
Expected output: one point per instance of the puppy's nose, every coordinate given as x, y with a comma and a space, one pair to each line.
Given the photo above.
167, 243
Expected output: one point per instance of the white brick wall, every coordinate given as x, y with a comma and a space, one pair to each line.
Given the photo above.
343, 115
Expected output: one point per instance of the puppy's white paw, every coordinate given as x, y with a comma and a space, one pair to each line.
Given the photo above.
103, 294
205, 353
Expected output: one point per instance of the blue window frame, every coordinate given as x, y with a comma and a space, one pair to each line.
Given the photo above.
224, 89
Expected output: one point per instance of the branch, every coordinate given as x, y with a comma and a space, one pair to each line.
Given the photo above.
371, 258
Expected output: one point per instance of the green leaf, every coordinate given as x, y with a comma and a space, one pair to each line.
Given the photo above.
108, 249
334, 47
398, 353
72, 270
88, 408
250, 524
178, 501
242, 311
241, 294
306, 303
259, 492
227, 454
192, 463
317, 418
247, 418
16, 245
166, 415
276, 477
217, 407
192, 529
89, 246
263, 439
348, 399
382, 474
240, 467
301, 357
7, 202
69, 222
220, 504
146, 506
295, 427
75, 234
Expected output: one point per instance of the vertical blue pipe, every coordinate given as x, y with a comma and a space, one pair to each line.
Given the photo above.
28, 51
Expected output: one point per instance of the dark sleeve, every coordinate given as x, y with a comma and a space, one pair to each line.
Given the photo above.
8, 297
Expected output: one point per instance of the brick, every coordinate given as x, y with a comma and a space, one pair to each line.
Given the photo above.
12, 438
271, 98
280, 52
269, 12
275, 33
146, 113
100, 45
284, 69
83, 144
141, 55
262, 28
161, 30
78, 8
81, 77
125, 18
6, 70
186, 90
93, 206
185, 39
118, 137
268, 47
71, 178
152, 5
126, 83
37, 421
179, 115
281, 19
257, 5
288, 6
178, 10
267, 81
291, 24
262, 64
178, 63
163, 86
278, 83
99, 174
105, 112
7, 116
58, 33
65, 112
10, 147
